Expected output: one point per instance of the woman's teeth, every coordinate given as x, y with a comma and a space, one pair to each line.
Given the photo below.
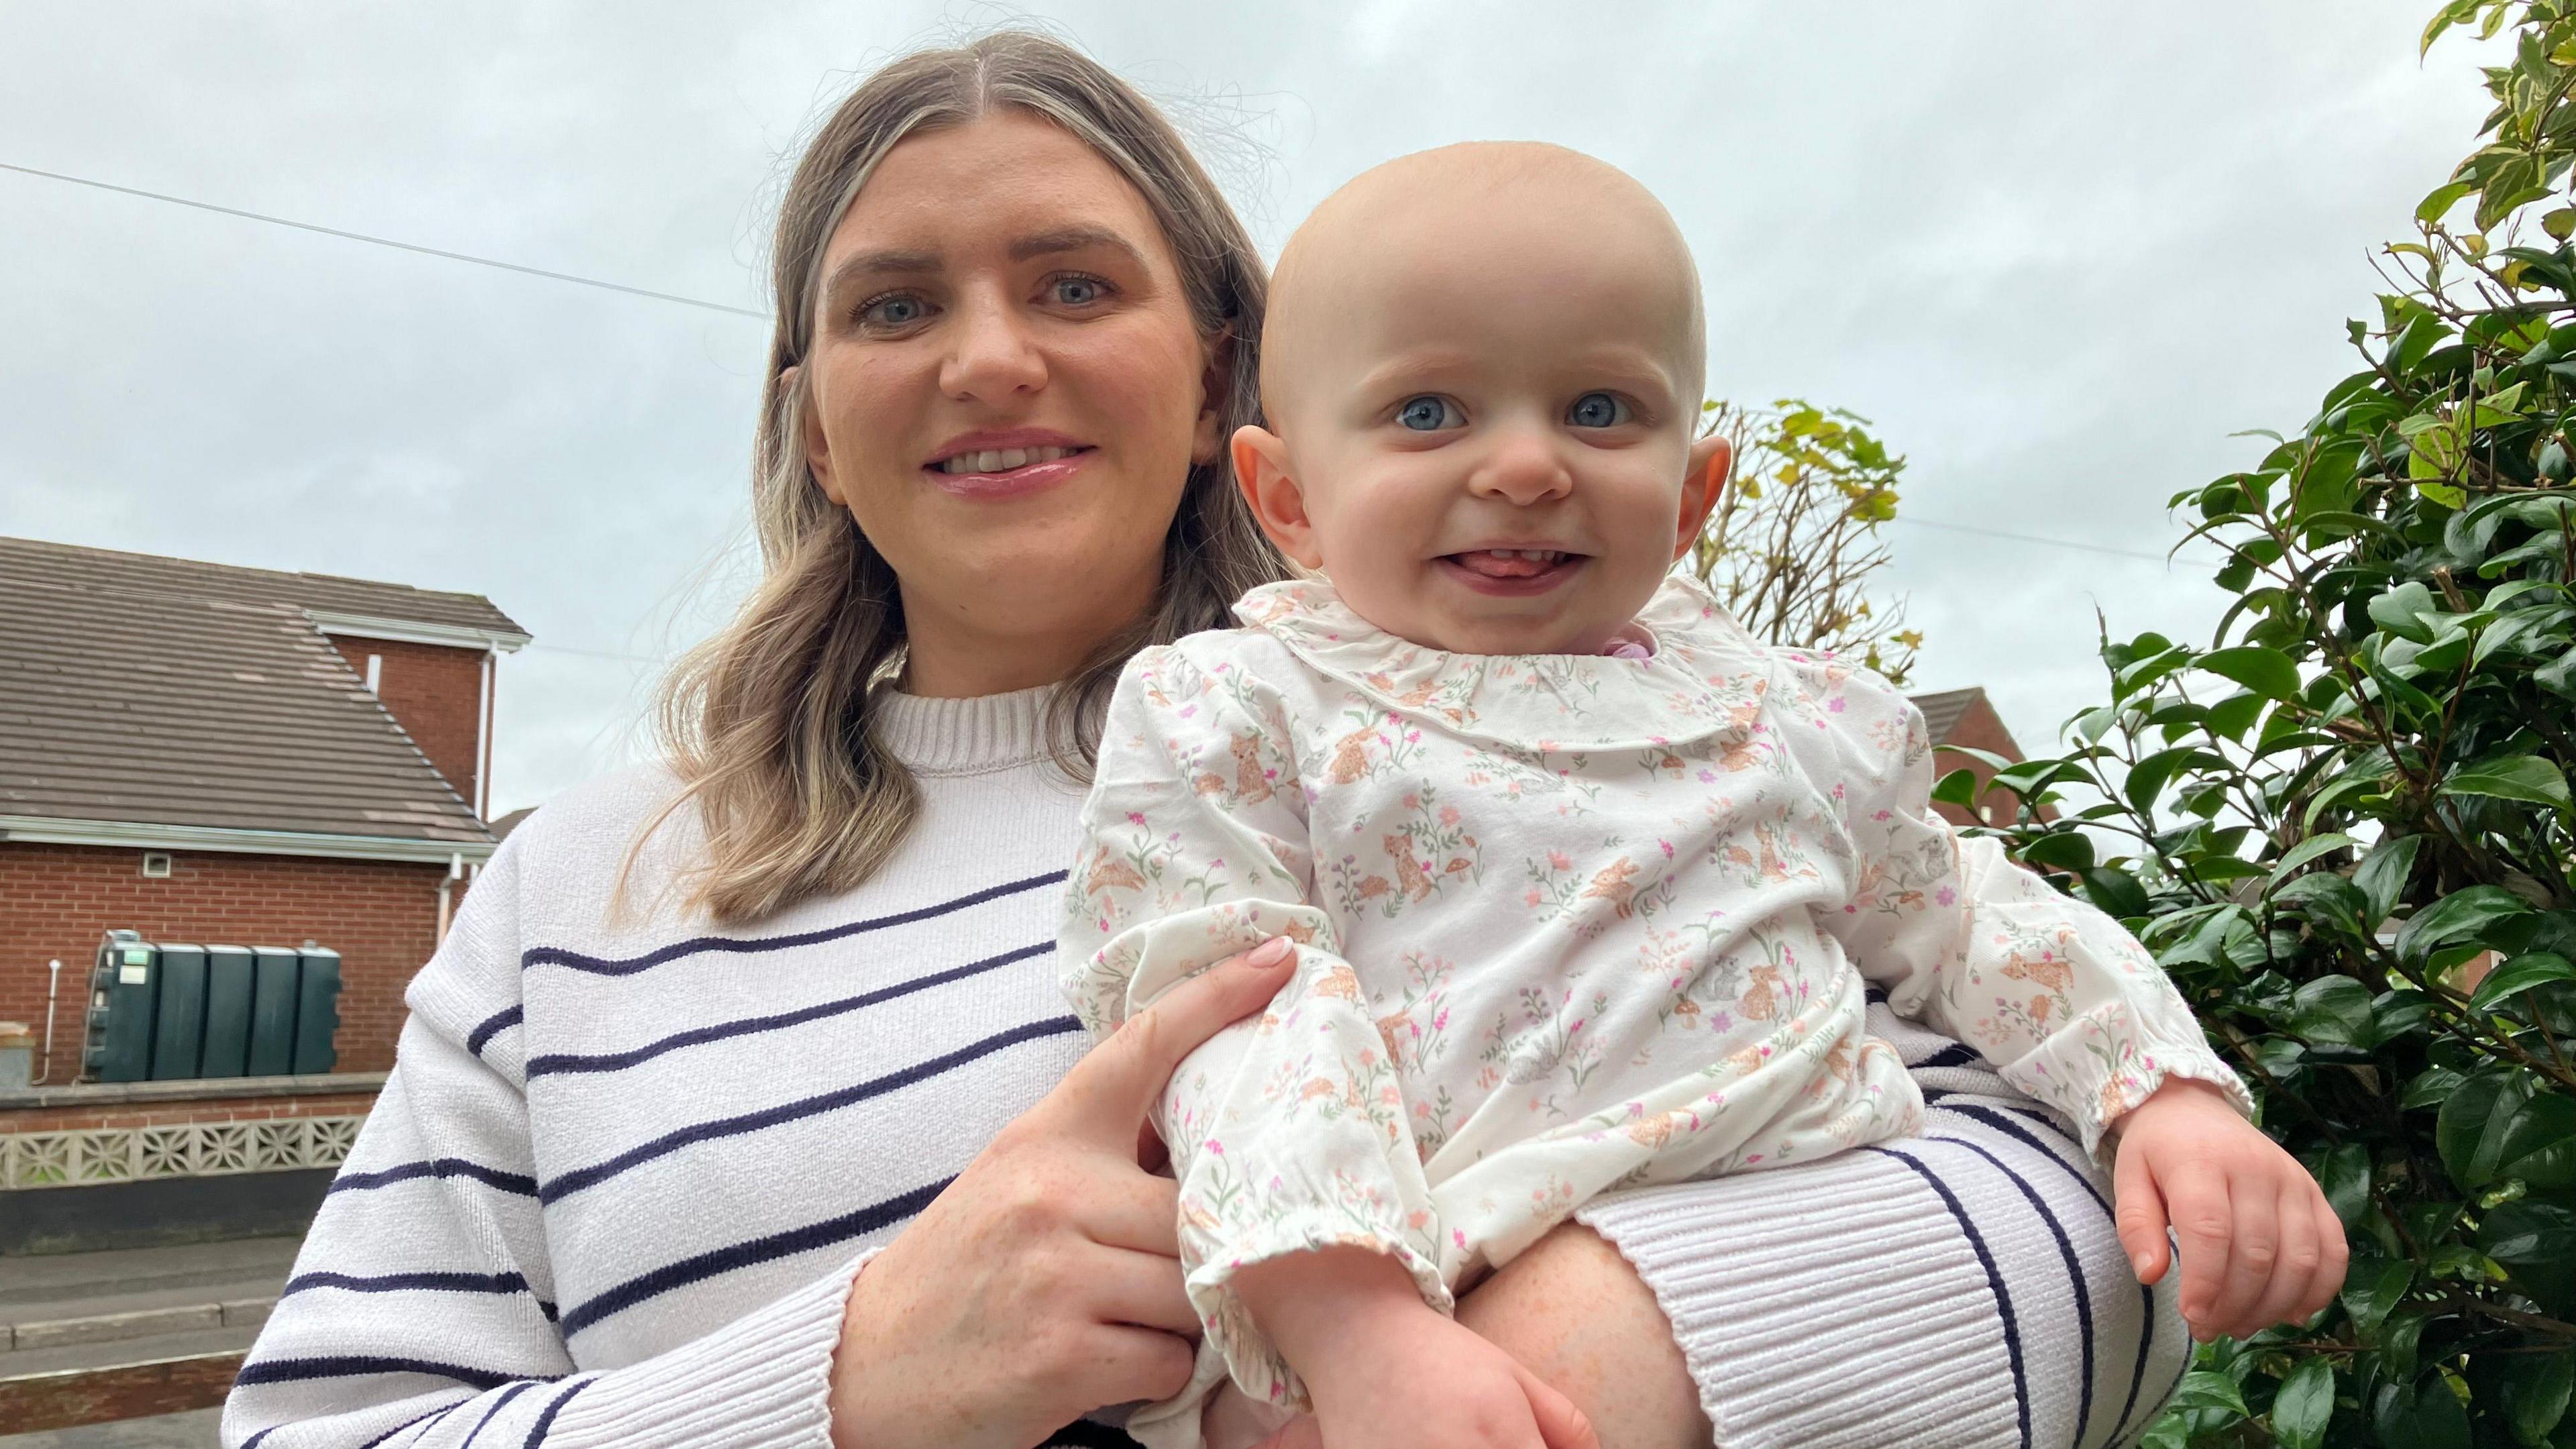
1002, 460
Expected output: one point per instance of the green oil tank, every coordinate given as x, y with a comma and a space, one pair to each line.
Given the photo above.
179, 1012
229, 974
118, 1046
317, 1009
272, 1011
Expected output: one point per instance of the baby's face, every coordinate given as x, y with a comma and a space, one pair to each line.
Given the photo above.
1484, 413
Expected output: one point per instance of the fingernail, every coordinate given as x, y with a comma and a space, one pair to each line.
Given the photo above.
1269, 953
2141, 1262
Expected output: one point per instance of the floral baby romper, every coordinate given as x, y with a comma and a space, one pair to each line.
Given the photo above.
1566, 924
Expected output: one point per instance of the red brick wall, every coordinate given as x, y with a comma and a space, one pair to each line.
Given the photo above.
1979, 728
170, 1114
56, 901
434, 693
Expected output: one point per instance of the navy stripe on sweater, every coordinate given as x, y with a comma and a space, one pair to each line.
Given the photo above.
520, 1183
735, 1126
557, 1063
496, 1283
503, 1402
546, 1420
351, 1365
414, 1423
746, 1254
1994, 1280
493, 1025
695, 945
2074, 1273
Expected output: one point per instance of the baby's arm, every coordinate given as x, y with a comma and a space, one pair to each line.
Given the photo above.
2074, 1011
1287, 1133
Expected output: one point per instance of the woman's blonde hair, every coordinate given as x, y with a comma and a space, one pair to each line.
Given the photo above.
768, 723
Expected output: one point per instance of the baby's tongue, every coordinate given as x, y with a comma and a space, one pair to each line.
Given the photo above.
1503, 566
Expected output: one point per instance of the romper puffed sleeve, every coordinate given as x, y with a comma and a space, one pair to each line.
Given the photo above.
1287, 1132
2064, 1002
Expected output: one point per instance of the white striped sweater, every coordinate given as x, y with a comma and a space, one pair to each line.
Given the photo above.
627, 1165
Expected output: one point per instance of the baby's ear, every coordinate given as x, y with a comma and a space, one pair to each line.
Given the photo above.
1261, 471
1703, 482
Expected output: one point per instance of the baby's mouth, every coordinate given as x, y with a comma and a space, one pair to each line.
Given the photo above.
1512, 563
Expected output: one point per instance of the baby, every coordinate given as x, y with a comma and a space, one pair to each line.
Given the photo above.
1588, 884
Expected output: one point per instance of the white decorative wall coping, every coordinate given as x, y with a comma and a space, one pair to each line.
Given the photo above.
83, 1158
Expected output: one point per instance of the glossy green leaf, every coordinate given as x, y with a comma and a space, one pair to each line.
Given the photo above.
2267, 672
2304, 1405
2462, 917
2373, 1286
2383, 873
2422, 1415
2333, 1010
2201, 1389
2116, 892
2344, 1174
2519, 975
2536, 1389
2511, 777
2305, 851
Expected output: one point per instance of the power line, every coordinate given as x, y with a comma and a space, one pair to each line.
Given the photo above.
381, 241
2035, 538
699, 302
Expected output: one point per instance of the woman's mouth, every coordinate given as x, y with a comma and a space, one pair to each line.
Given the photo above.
1006, 472
1512, 571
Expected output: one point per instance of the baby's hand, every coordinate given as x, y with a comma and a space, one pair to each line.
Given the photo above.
1388, 1371
2259, 1244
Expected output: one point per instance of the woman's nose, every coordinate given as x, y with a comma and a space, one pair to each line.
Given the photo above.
991, 355
1522, 468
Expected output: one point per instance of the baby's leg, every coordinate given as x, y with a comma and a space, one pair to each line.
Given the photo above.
1573, 1311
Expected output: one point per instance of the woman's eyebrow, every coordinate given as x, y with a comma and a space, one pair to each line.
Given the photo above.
1074, 239
882, 262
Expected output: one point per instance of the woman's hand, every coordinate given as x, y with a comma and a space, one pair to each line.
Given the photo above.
2259, 1244
1045, 1281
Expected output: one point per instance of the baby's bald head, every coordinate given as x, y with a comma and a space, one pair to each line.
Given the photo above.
1502, 223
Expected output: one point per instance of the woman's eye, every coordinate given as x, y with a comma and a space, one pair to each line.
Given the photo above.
896, 311
1077, 291
1598, 410
1427, 415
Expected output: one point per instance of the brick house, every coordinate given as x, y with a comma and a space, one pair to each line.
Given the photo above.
205, 753
1965, 719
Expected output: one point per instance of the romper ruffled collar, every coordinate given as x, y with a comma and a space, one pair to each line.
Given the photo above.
1706, 678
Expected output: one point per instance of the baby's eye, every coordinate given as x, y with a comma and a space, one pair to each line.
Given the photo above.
1428, 414
1599, 410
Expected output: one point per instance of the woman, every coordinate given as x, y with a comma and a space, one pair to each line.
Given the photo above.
632, 1159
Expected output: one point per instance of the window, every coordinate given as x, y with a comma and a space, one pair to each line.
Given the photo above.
156, 865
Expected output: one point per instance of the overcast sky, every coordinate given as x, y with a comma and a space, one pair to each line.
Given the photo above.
2058, 253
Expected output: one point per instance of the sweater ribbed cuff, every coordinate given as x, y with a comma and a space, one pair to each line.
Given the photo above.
1778, 1311
761, 1382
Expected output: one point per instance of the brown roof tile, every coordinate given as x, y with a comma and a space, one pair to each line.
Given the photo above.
34, 561
1941, 711
131, 694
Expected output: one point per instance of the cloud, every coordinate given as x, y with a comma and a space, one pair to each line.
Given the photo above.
2057, 255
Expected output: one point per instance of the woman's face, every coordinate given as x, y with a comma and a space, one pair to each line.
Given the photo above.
1008, 391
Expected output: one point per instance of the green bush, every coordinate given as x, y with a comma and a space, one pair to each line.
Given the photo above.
2344, 827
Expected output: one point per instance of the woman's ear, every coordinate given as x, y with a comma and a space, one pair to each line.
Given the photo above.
1216, 384
1261, 471
1711, 459
809, 428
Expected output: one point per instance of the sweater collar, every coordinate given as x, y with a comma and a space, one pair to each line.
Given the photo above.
964, 736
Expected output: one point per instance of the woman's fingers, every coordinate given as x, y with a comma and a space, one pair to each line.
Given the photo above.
1560, 1424
1141, 1289
2140, 1217
1111, 1090
1136, 1211
1133, 1364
